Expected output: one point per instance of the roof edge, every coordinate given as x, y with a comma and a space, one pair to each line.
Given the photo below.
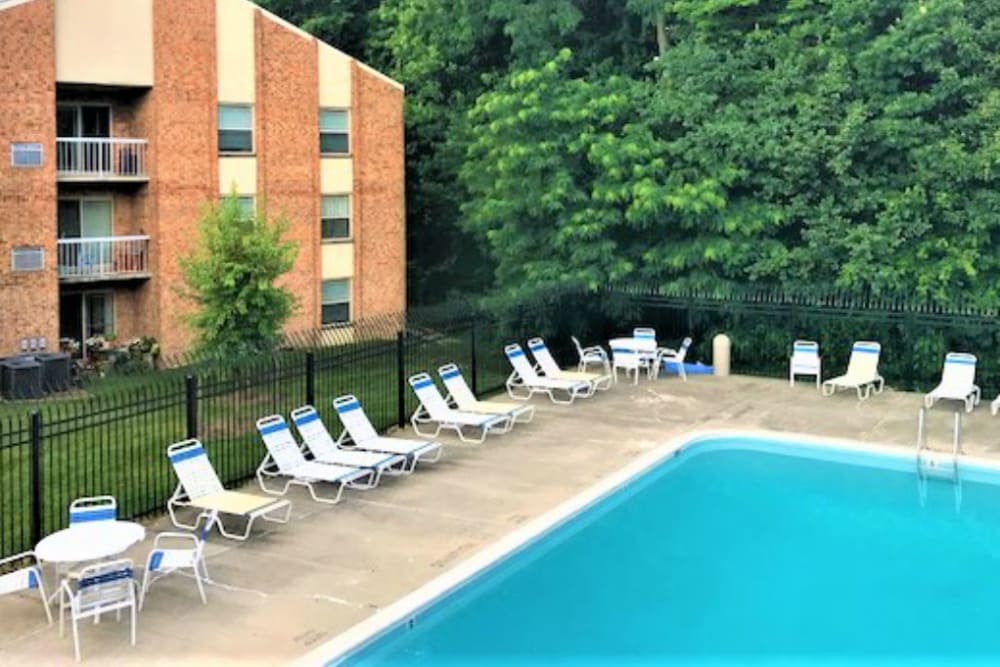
9, 4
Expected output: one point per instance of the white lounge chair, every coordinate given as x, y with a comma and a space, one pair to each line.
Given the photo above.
461, 395
805, 361
434, 410
25, 578
284, 459
669, 355
173, 552
199, 488
862, 372
358, 435
626, 359
958, 381
525, 378
545, 363
100, 589
593, 354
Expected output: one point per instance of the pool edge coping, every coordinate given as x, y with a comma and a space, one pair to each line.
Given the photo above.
385, 619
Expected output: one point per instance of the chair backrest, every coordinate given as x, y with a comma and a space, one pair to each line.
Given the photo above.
313, 431
959, 369
864, 358
624, 357
805, 356
83, 511
280, 443
105, 584
682, 351
23, 579
520, 363
645, 338
579, 347
429, 396
455, 383
543, 357
354, 419
192, 467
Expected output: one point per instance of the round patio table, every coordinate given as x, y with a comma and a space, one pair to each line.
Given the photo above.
87, 542
647, 352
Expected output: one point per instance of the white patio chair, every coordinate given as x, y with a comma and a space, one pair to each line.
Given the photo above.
646, 347
462, 397
324, 448
524, 378
627, 359
545, 363
593, 354
284, 460
177, 551
99, 589
805, 361
199, 488
434, 410
25, 578
862, 372
958, 381
669, 355
94, 508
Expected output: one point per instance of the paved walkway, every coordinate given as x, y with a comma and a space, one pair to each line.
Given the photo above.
295, 586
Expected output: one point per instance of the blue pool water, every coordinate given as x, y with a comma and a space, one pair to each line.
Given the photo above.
729, 555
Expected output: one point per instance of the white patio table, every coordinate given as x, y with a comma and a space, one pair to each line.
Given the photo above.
88, 542
647, 350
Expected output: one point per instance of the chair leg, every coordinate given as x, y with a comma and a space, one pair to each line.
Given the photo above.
133, 623
76, 640
201, 588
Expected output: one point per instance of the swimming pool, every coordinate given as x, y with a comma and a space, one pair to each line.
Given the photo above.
737, 551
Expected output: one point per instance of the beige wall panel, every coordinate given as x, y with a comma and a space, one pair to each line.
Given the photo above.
234, 27
108, 42
338, 261
334, 77
336, 175
239, 173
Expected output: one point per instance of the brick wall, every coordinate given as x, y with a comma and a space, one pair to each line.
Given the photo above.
287, 141
30, 302
379, 195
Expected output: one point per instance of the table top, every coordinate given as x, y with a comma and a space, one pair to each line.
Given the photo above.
630, 342
90, 541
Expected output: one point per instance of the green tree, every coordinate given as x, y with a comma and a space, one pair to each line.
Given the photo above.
231, 278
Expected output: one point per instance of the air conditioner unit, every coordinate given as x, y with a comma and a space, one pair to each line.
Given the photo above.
27, 258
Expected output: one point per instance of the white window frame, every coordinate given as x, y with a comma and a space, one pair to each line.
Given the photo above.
26, 148
253, 122
347, 132
350, 218
350, 302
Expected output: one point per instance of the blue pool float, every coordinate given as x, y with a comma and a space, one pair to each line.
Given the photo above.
689, 369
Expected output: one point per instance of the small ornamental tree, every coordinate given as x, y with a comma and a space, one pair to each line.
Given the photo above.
230, 276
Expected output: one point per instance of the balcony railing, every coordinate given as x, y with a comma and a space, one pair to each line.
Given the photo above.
103, 258
101, 159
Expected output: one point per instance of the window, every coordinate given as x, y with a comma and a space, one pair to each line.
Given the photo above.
235, 129
27, 258
336, 301
247, 203
336, 217
26, 155
333, 133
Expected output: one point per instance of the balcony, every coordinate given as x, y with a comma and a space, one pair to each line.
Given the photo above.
103, 258
101, 159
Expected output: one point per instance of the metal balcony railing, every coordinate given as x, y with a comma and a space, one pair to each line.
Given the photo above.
103, 258
101, 159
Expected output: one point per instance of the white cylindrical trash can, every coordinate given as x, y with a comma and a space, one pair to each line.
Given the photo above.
721, 347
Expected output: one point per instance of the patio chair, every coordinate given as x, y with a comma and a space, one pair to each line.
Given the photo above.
645, 345
805, 361
462, 397
434, 410
593, 354
545, 363
25, 578
284, 460
627, 359
958, 381
362, 438
94, 508
100, 589
666, 355
862, 372
524, 381
199, 488
177, 551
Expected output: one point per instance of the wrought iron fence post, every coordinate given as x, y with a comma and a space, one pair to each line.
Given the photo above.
474, 370
36, 476
310, 378
191, 395
400, 379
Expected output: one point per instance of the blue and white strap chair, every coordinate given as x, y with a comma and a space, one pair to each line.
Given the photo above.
177, 551
24, 578
958, 381
862, 372
805, 361
99, 589
435, 411
461, 396
626, 359
524, 381
546, 363
285, 461
593, 354
200, 489
667, 355
644, 339
86, 511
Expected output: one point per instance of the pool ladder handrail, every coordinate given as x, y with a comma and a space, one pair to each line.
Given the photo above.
956, 444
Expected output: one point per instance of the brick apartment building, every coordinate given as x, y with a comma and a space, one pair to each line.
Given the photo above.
122, 118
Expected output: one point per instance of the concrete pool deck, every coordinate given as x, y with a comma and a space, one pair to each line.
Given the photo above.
294, 586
